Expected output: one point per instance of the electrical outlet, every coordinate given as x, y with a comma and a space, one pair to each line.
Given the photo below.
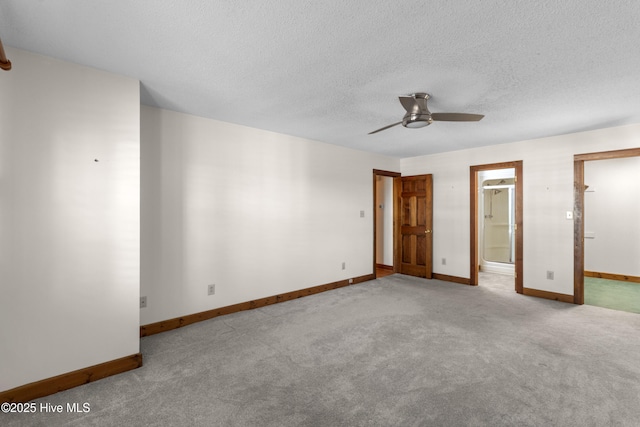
549, 275
211, 289
344, 265
351, 281
444, 261
361, 214
143, 302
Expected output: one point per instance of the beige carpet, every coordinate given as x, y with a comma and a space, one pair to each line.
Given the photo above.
397, 351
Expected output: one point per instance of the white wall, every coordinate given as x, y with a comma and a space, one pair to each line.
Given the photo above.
254, 212
612, 216
69, 226
548, 195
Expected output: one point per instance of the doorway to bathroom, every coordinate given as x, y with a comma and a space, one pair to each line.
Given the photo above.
497, 219
496, 225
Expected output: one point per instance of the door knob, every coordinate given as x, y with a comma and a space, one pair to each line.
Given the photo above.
427, 231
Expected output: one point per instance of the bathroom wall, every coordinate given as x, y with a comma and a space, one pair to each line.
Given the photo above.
496, 241
496, 219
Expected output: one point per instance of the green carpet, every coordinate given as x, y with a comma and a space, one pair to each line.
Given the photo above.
613, 294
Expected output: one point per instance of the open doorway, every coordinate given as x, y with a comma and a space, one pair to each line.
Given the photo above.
496, 219
383, 220
612, 234
496, 225
603, 239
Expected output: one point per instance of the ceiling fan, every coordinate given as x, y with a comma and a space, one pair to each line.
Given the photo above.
418, 115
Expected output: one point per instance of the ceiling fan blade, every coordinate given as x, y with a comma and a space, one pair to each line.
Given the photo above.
456, 117
409, 103
386, 127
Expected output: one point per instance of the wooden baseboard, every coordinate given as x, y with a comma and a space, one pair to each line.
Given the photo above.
178, 322
69, 380
384, 267
526, 291
454, 279
548, 295
612, 276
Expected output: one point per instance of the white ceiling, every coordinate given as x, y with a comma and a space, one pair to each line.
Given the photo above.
332, 70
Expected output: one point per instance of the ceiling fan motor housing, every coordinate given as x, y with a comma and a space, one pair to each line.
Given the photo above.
414, 121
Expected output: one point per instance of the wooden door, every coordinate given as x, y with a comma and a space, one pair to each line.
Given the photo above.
415, 223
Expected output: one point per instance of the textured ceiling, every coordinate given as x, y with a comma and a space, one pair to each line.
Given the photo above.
332, 70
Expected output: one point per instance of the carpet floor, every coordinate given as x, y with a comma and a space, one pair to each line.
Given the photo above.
613, 294
396, 351
495, 281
